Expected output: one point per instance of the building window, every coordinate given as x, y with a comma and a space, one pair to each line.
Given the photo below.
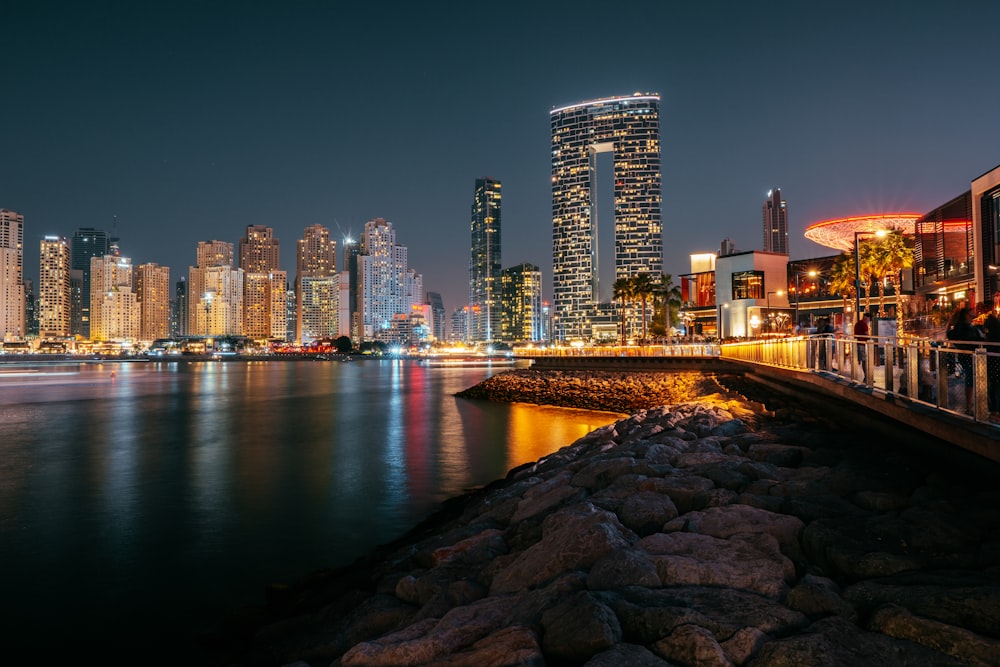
748, 285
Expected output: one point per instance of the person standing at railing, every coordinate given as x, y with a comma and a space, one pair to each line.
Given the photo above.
862, 329
964, 335
824, 331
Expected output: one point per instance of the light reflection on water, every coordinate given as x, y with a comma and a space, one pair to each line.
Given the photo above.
143, 501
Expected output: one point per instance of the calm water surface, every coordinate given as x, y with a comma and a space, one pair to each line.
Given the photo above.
139, 503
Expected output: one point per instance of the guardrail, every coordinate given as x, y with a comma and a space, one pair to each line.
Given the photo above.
961, 380
683, 350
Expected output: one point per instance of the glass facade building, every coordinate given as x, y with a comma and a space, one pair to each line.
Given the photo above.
522, 303
629, 128
775, 216
484, 263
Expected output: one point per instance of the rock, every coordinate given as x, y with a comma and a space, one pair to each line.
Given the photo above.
725, 522
572, 538
959, 643
625, 567
579, 628
647, 615
744, 644
516, 646
428, 640
646, 512
626, 654
686, 559
834, 641
692, 645
818, 597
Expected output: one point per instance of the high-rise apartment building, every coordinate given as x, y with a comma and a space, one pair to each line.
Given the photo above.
85, 244
381, 269
629, 128
114, 308
265, 285
12, 303
30, 308
180, 308
53, 288
484, 263
316, 259
215, 292
521, 287
350, 281
775, 214
152, 290
439, 322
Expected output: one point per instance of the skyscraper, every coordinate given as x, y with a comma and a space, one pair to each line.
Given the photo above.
386, 288
86, 243
439, 322
265, 285
316, 259
53, 288
522, 303
12, 303
629, 128
152, 290
775, 214
484, 263
181, 321
215, 292
114, 309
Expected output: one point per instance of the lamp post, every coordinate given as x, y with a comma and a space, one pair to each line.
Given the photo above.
857, 267
811, 274
779, 293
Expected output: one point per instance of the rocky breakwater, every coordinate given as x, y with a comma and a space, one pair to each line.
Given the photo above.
712, 532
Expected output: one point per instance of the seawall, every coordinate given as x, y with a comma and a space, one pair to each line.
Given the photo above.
712, 531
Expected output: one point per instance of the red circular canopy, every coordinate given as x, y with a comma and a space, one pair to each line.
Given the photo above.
839, 234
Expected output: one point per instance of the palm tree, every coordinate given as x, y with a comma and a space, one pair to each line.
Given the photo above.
643, 288
842, 278
623, 293
892, 255
867, 270
669, 297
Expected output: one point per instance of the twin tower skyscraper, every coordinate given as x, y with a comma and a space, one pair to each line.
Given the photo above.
628, 128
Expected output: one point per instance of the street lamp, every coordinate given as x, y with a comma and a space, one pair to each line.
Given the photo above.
779, 293
857, 266
811, 274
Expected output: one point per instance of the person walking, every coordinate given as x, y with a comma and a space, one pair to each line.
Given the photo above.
964, 336
862, 330
824, 332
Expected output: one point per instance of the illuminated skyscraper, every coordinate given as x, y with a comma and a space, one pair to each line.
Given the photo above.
522, 303
86, 244
12, 302
265, 285
629, 128
484, 264
316, 259
215, 292
114, 308
53, 288
152, 290
775, 214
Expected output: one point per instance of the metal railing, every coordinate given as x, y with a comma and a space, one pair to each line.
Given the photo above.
961, 380
681, 350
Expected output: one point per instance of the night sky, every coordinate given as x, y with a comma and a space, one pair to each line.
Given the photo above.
189, 122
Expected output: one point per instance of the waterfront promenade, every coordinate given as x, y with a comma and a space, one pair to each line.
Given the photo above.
736, 527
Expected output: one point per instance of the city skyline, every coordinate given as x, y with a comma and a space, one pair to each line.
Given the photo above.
176, 120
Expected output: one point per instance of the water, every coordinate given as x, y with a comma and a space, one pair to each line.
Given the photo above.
140, 503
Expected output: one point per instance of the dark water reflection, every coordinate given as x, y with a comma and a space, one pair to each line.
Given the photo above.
140, 502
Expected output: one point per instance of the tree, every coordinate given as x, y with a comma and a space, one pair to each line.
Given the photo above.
642, 289
842, 278
668, 296
343, 345
623, 294
891, 255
